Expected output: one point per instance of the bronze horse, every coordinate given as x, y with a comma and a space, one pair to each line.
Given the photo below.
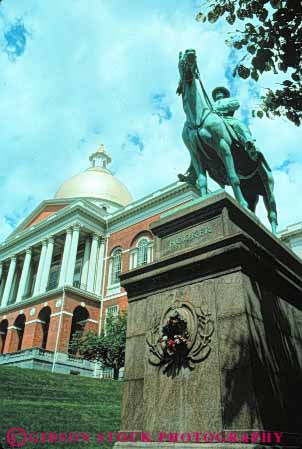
214, 150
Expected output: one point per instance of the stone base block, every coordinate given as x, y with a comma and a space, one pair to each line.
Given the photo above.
214, 337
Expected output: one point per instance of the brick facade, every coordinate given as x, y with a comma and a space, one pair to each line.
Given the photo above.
125, 239
61, 316
67, 285
60, 323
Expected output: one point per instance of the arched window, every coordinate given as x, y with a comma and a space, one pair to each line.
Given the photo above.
142, 254
116, 266
44, 317
19, 328
79, 320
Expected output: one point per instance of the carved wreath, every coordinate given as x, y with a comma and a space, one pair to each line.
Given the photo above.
180, 337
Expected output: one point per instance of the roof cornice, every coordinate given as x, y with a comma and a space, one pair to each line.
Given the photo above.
172, 190
37, 210
89, 209
83, 206
291, 231
49, 295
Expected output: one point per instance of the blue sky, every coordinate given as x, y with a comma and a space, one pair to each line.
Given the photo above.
75, 74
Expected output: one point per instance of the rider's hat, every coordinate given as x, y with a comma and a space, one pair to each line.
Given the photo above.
221, 89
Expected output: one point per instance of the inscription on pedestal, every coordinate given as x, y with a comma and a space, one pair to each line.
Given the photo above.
194, 236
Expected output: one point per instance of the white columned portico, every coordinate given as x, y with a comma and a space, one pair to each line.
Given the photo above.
40, 267
47, 264
92, 263
24, 275
65, 257
9, 280
85, 263
72, 254
99, 268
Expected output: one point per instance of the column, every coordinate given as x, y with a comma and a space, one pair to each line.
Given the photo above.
2, 280
72, 255
65, 257
9, 280
2, 340
47, 264
99, 268
12, 340
135, 258
149, 254
33, 334
85, 263
92, 263
29, 277
24, 275
2, 286
40, 267
64, 330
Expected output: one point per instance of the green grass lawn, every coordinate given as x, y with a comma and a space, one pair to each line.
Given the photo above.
44, 402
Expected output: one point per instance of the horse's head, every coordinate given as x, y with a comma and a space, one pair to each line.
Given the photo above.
188, 70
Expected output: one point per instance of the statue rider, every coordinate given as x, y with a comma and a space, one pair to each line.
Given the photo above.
226, 106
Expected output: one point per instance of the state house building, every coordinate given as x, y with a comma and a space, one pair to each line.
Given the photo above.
59, 269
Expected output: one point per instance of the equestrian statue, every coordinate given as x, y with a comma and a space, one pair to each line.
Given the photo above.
220, 144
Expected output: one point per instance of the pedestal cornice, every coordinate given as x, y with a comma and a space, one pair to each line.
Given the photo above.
238, 242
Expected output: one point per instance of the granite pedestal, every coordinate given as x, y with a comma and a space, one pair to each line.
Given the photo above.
216, 261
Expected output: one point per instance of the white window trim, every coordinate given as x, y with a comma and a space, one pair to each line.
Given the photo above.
114, 287
107, 311
134, 253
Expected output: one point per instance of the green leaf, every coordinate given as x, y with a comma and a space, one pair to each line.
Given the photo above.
231, 19
254, 75
237, 45
243, 71
295, 77
293, 117
263, 15
276, 4
212, 18
200, 17
251, 49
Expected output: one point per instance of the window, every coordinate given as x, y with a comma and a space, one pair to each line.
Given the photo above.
53, 279
79, 321
77, 274
116, 266
142, 254
110, 311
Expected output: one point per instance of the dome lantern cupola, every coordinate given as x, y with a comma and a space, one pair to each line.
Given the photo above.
100, 158
97, 183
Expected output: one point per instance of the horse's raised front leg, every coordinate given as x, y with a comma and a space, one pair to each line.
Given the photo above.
192, 143
227, 159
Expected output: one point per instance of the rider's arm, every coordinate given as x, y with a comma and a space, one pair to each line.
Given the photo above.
226, 105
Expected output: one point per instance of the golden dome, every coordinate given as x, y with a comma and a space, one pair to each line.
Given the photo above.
96, 182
